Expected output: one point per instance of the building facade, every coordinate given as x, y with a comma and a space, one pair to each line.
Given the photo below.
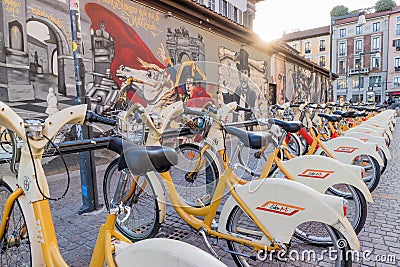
241, 12
393, 73
359, 57
311, 44
36, 54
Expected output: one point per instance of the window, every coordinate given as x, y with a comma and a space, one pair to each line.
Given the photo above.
396, 44
16, 35
376, 26
322, 61
322, 45
375, 62
376, 44
396, 81
235, 14
358, 46
356, 84
342, 83
397, 64
307, 48
342, 66
358, 30
375, 81
342, 33
342, 49
230, 11
398, 26
223, 8
358, 63
211, 4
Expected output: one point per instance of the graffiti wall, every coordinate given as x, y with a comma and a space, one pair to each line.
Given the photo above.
133, 52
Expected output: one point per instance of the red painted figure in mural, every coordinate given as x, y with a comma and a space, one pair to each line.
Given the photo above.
193, 94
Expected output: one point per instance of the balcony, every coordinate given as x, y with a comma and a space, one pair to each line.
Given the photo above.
357, 71
342, 54
307, 51
397, 68
322, 48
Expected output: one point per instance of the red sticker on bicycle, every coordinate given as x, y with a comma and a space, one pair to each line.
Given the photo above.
320, 174
280, 208
346, 149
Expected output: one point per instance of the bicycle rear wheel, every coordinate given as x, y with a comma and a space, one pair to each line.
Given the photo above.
15, 244
140, 196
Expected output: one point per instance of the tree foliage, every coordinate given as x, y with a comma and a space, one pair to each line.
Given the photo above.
384, 5
338, 11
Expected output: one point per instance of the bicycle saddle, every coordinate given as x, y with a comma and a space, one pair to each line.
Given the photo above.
361, 114
250, 139
338, 112
348, 114
331, 118
142, 159
288, 126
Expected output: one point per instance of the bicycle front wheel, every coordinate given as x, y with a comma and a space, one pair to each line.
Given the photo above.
240, 224
15, 244
316, 234
195, 176
143, 221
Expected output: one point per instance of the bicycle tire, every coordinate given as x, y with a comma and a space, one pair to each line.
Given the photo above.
356, 214
143, 203
384, 158
17, 252
373, 179
238, 220
203, 183
295, 148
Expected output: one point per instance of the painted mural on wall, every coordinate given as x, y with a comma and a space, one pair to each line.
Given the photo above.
241, 78
132, 53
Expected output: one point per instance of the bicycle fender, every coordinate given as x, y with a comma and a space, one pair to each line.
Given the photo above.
320, 173
160, 193
345, 149
11, 120
380, 141
280, 205
164, 252
167, 113
27, 209
71, 115
380, 123
368, 130
386, 129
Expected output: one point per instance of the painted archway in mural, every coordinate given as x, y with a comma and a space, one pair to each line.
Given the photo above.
59, 39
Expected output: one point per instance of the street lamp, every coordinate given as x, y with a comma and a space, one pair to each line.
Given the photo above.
360, 63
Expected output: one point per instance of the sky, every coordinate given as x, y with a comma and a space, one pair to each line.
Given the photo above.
273, 17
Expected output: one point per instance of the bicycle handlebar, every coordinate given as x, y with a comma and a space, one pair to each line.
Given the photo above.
93, 117
192, 111
239, 108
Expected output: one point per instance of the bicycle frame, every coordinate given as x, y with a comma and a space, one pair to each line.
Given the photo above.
45, 250
228, 180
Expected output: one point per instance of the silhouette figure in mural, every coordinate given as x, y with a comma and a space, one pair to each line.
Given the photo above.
246, 92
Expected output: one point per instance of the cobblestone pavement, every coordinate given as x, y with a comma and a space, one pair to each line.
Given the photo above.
380, 240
